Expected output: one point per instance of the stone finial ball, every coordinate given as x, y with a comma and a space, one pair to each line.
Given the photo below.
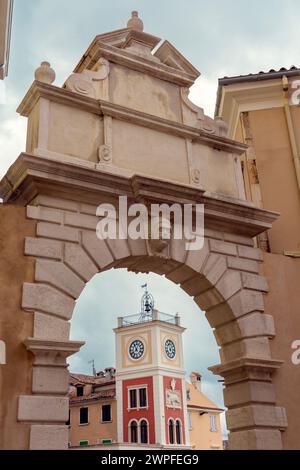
135, 22
45, 73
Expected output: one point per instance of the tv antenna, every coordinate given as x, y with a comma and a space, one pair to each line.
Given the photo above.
94, 369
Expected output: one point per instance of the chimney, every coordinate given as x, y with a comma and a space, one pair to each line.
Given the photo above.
196, 380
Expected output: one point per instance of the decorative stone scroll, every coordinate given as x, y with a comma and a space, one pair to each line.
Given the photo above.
86, 82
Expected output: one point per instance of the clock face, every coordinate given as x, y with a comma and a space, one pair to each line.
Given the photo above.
170, 349
136, 349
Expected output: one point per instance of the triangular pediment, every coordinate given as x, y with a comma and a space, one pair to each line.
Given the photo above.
134, 49
121, 38
171, 57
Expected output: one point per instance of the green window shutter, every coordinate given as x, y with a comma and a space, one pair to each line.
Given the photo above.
106, 441
83, 443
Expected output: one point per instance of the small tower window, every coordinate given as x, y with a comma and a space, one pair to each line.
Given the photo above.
171, 431
133, 398
144, 432
133, 432
178, 432
143, 397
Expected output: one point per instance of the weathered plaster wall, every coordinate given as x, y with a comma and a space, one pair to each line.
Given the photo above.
283, 301
95, 431
277, 176
279, 192
144, 93
15, 324
77, 134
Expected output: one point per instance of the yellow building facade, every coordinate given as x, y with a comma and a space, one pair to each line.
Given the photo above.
93, 414
263, 112
204, 417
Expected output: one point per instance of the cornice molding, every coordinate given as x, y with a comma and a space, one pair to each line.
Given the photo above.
40, 90
132, 61
234, 368
48, 352
32, 175
248, 96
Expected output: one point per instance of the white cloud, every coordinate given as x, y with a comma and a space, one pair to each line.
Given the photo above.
12, 141
203, 93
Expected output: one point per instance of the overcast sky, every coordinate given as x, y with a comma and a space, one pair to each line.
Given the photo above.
220, 38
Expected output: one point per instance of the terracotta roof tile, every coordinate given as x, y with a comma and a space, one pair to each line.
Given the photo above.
82, 379
292, 69
94, 396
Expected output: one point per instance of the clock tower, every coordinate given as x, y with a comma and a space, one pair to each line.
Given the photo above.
150, 379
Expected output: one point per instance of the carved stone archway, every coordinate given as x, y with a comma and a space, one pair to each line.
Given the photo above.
223, 278
122, 125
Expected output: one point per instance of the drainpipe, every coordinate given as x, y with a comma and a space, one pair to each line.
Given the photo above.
292, 136
294, 145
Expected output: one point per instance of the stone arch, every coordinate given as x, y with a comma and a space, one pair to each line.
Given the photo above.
223, 278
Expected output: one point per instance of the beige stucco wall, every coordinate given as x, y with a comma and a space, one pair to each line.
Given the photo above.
279, 192
277, 175
283, 301
95, 431
201, 437
144, 93
15, 325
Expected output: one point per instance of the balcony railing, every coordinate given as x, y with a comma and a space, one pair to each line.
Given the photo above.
155, 316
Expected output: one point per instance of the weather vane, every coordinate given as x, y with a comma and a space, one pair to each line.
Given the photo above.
147, 304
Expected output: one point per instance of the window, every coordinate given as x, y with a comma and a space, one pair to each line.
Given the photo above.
143, 397
144, 432
188, 395
133, 432
133, 398
171, 431
106, 413
79, 391
138, 398
213, 423
106, 441
69, 420
83, 443
84, 416
178, 432
190, 421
